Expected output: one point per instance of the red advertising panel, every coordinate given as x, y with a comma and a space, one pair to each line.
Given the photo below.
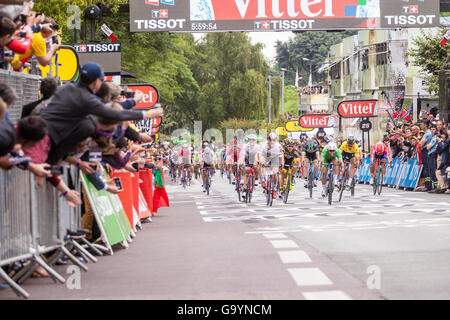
151, 95
316, 121
358, 108
280, 15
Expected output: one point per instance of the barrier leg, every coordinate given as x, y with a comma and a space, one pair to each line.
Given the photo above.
83, 251
47, 268
74, 259
92, 247
16, 288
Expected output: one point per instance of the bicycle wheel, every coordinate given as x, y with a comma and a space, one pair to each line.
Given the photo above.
330, 185
208, 183
380, 183
287, 187
310, 181
352, 187
375, 181
250, 188
342, 185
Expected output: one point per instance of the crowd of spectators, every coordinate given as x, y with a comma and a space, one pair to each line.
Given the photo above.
27, 38
313, 90
428, 141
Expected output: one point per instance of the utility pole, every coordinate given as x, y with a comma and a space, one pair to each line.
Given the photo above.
270, 99
283, 70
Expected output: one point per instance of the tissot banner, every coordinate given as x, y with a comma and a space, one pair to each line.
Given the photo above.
279, 15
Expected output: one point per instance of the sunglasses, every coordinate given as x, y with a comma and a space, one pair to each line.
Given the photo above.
290, 146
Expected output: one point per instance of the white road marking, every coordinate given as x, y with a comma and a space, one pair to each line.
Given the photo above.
294, 256
309, 277
326, 295
280, 244
275, 236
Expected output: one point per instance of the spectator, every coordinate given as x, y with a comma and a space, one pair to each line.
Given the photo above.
426, 139
9, 150
443, 161
66, 114
47, 89
38, 45
432, 155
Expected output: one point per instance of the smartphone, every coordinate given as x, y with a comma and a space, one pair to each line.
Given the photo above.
136, 166
118, 183
56, 170
93, 167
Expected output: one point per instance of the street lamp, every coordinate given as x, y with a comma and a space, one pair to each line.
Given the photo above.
270, 99
310, 68
283, 70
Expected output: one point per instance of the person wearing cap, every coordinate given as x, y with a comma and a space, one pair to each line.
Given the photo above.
67, 115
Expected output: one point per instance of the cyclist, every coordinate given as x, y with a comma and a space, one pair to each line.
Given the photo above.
250, 158
196, 161
350, 151
185, 161
173, 164
207, 162
379, 151
291, 158
310, 153
271, 154
330, 154
233, 156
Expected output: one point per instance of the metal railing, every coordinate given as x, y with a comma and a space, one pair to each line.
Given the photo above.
33, 222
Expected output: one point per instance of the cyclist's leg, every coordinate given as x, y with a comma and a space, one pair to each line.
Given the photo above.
354, 161
383, 165
246, 173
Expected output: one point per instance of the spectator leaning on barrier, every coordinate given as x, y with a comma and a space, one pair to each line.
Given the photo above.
66, 114
10, 152
432, 155
47, 89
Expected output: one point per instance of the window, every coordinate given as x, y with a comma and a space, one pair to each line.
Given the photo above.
382, 53
365, 59
336, 71
346, 66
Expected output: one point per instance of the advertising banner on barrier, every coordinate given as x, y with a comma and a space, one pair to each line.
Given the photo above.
109, 214
126, 196
146, 186
280, 15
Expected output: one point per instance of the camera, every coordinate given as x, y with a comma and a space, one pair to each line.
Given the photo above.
55, 40
54, 27
22, 34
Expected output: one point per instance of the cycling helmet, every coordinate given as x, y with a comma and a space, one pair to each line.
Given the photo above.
332, 146
272, 136
351, 139
251, 137
185, 146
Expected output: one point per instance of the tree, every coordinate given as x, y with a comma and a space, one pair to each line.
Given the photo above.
312, 45
430, 56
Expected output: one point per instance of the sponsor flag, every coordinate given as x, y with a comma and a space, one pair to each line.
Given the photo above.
160, 198
108, 32
445, 39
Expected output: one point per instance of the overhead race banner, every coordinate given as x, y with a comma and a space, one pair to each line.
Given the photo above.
317, 121
280, 15
358, 108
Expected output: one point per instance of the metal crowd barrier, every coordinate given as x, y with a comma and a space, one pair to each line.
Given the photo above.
33, 222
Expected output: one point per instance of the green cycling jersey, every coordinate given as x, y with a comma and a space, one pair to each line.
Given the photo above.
328, 158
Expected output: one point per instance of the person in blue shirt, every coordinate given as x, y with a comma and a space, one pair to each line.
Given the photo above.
432, 155
426, 139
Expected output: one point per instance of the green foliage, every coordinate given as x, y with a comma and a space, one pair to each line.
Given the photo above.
291, 100
312, 45
430, 56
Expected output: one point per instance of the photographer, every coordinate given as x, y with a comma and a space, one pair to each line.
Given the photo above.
38, 46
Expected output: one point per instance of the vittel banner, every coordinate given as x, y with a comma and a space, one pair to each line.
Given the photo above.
358, 108
317, 121
279, 15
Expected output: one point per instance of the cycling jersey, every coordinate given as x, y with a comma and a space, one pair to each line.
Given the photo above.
271, 154
316, 148
249, 153
290, 156
328, 158
345, 147
185, 156
385, 152
207, 156
233, 152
